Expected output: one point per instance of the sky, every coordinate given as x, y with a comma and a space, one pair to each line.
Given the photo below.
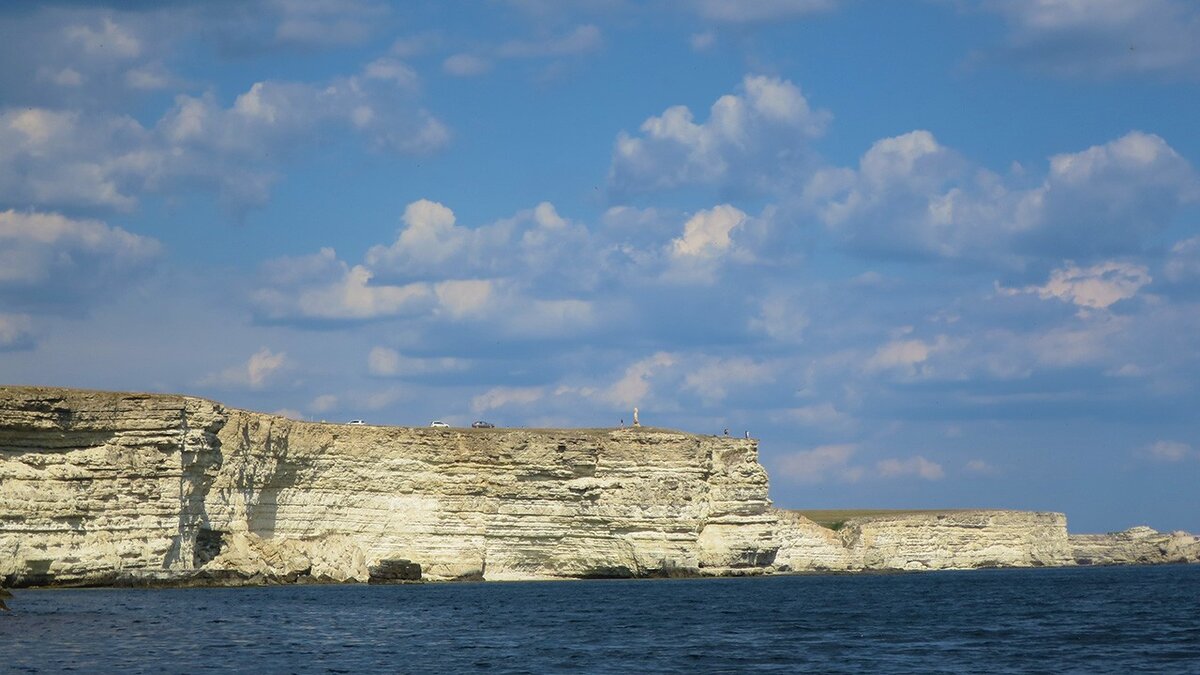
932, 254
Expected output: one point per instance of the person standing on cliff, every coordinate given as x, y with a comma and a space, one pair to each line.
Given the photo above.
636, 423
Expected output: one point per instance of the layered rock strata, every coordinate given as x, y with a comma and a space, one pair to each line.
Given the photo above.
925, 541
1135, 546
106, 488
98, 487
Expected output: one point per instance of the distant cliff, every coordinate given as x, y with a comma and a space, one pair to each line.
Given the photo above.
103, 488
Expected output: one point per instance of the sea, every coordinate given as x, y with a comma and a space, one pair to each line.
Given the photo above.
1080, 620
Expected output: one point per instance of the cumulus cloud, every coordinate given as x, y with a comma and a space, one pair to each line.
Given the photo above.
67, 158
706, 235
820, 463
634, 386
49, 259
1095, 287
752, 139
533, 244
421, 275
350, 297
1108, 198
253, 374
912, 196
912, 466
1103, 38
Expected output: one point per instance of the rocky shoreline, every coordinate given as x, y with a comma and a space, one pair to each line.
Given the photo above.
113, 489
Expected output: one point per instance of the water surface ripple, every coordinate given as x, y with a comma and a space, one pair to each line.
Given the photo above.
1112, 620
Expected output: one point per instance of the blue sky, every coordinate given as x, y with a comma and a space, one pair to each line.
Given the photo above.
932, 254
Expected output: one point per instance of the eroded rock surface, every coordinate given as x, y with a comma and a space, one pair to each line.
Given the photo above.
1135, 546
113, 488
926, 541
97, 487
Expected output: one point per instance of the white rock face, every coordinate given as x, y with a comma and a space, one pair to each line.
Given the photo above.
1137, 545
101, 487
926, 541
97, 486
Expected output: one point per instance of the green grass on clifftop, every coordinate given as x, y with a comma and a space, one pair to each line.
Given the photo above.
835, 519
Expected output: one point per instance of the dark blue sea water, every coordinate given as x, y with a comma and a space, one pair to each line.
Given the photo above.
1111, 620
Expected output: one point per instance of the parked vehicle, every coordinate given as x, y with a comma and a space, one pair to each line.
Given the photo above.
357, 423
439, 424
480, 424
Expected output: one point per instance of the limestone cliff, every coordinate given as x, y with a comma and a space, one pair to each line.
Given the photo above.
102, 487
1135, 546
98, 486
926, 541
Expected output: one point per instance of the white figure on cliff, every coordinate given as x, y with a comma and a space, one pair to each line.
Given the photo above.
636, 423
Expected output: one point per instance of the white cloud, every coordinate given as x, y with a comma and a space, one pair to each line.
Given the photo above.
109, 40
1108, 198
466, 65
707, 234
713, 378
738, 11
385, 362
499, 397
462, 298
819, 463
1183, 262
37, 247
753, 139
912, 466
781, 318
16, 332
702, 41
1168, 451
581, 40
1104, 38
350, 297
908, 356
323, 403
1096, 287
66, 158
254, 374
429, 240
634, 386
51, 262
320, 23
912, 196
981, 467
821, 415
